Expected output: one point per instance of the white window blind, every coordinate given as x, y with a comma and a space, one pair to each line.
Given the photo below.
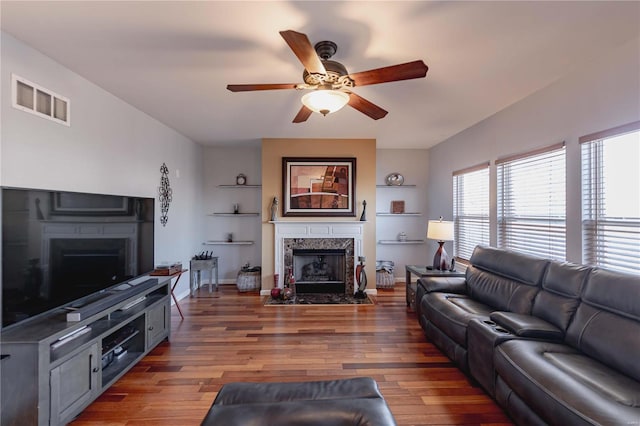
470, 210
611, 198
531, 202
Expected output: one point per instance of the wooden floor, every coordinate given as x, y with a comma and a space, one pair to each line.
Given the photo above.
229, 337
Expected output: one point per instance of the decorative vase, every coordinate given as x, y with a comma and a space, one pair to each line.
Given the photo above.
275, 293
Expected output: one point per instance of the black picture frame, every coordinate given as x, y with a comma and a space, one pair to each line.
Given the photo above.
319, 186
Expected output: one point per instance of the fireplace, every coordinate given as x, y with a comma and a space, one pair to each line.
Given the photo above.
319, 270
333, 236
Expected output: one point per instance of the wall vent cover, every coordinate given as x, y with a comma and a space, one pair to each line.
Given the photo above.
35, 99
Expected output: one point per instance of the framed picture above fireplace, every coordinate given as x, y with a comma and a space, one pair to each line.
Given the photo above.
318, 186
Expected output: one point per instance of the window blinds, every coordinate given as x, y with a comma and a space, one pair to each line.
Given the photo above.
470, 210
531, 202
611, 198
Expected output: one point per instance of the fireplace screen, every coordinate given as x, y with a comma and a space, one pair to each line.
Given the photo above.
319, 271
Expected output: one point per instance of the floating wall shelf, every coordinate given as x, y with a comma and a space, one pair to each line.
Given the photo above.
401, 242
239, 186
398, 214
234, 214
395, 186
227, 243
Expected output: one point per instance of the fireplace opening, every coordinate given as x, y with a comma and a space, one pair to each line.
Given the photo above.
319, 270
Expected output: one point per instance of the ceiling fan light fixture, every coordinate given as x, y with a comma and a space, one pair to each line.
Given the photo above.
325, 101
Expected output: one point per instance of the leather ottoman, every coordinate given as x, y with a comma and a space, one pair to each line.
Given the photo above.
348, 402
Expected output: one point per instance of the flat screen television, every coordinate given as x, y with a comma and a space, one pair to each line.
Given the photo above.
58, 247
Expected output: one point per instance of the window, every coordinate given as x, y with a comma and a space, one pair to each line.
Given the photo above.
611, 198
531, 202
470, 210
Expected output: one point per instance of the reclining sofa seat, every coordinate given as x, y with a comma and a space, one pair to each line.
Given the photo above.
592, 375
496, 280
553, 308
573, 359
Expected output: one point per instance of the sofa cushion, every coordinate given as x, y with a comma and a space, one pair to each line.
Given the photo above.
509, 264
606, 325
452, 312
560, 295
505, 280
565, 386
503, 294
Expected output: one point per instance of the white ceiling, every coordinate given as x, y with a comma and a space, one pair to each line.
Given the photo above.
173, 59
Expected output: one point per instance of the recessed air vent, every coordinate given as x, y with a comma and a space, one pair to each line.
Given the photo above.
30, 97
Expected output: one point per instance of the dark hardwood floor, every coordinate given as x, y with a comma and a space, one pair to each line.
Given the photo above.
231, 336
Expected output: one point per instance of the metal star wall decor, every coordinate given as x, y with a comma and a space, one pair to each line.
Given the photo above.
164, 190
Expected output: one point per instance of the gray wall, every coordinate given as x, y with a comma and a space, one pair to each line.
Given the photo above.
222, 165
111, 147
603, 95
413, 165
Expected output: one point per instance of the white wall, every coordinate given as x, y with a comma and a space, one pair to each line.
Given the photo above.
597, 97
111, 147
413, 164
222, 165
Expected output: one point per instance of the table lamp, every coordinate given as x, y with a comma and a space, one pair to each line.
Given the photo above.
440, 231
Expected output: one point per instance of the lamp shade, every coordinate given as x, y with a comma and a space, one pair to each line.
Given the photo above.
440, 230
325, 101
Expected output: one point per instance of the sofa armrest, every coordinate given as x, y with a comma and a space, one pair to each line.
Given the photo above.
527, 326
456, 285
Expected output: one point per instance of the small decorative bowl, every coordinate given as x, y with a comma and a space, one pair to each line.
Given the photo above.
394, 179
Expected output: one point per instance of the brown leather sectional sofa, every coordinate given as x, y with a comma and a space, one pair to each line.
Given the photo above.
553, 343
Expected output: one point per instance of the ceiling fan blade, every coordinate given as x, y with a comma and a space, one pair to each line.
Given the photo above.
252, 87
305, 52
415, 69
366, 107
302, 115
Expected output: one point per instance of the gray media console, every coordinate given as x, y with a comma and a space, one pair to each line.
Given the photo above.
54, 366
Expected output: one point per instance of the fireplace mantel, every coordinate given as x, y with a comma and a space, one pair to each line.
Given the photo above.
314, 229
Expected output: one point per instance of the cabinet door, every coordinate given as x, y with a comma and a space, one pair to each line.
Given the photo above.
19, 385
157, 324
74, 384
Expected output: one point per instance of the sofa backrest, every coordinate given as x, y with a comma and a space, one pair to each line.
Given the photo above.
606, 325
559, 297
505, 280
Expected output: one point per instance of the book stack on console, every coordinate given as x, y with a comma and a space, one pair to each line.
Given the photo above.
167, 269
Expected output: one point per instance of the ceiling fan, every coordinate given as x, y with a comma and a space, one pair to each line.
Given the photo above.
329, 81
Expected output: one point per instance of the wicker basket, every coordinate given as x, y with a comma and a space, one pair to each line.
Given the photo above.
248, 281
385, 279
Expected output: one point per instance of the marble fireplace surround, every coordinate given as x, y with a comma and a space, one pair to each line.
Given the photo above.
324, 234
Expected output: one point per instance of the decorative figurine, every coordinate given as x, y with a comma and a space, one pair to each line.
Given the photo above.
274, 209
363, 217
361, 277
